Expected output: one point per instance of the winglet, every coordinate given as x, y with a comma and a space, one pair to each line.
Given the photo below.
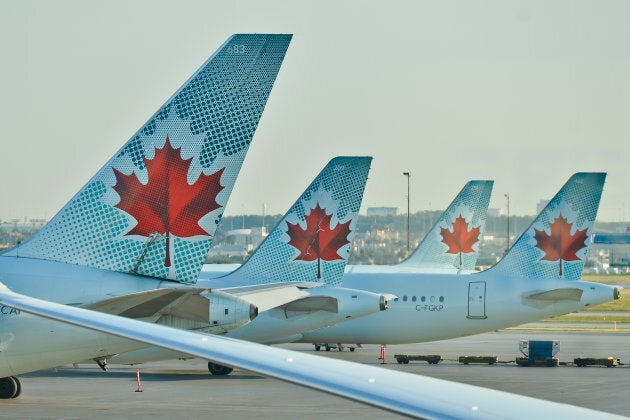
555, 245
453, 242
312, 241
154, 207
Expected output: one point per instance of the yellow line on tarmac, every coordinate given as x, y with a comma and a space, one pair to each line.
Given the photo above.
568, 329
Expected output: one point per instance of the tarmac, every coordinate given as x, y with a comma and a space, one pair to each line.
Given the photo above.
184, 389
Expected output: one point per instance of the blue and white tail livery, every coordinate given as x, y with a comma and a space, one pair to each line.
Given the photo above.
154, 207
453, 242
312, 241
555, 245
535, 280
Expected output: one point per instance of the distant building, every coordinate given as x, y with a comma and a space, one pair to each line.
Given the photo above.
493, 212
611, 238
382, 211
240, 242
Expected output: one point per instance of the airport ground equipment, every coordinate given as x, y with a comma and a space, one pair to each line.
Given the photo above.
328, 346
490, 360
432, 359
538, 353
596, 361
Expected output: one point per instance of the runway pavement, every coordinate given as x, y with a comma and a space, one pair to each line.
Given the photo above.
184, 388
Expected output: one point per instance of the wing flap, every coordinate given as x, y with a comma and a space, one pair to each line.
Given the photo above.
565, 293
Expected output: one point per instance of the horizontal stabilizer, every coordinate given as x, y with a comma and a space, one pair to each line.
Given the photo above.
195, 308
185, 303
549, 297
312, 304
269, 296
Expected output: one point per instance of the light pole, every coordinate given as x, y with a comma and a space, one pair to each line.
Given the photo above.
507, 197
408, 175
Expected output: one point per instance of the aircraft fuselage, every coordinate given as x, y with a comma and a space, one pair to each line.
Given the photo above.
442, 306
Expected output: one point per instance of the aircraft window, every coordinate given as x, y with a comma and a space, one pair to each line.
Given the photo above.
404, 298
432, 299
395, 299
441, 298
422, 299
413, 299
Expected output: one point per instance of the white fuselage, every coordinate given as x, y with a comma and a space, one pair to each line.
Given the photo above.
440, 306
29, 343
22, 335
437, 304
429, 307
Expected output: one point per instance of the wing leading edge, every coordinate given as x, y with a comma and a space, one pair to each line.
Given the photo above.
399, 392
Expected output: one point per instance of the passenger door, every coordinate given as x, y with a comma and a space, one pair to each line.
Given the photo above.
477, 300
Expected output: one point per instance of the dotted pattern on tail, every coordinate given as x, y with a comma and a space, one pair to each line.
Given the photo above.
212, 120
472, 204
577, 201
338, 189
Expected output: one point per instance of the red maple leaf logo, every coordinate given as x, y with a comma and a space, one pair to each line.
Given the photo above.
560, 245
318, 241
167, 204
460, 240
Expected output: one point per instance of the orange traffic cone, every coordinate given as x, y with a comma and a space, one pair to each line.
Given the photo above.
138, 380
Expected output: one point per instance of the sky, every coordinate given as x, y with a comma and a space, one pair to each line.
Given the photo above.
522, 92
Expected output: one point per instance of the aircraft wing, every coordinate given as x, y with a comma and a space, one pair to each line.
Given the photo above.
399, 392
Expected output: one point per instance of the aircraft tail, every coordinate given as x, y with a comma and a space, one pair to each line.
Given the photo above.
312, 241
154, 207
556, 244
453, 242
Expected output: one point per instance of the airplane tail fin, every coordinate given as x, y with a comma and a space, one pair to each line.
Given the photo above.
154, 207
556, 244
312, 241
453, 242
